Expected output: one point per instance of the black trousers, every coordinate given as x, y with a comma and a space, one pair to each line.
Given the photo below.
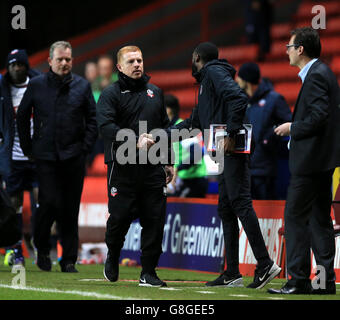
136, 191
235, 203
308, 224
263, 187
60, 188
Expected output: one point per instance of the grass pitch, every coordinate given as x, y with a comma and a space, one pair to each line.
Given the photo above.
89, 284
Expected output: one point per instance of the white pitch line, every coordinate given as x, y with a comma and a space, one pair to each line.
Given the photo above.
74, 292
206, 292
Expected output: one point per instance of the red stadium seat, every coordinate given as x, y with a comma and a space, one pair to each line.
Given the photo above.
330, 46
335, 65
98, 167
305, 10
290, 90
172, 79
239, 54
95, 190
187, 97
281, 30
279, 71
332, 26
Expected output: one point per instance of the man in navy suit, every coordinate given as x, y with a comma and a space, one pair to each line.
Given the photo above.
314, 154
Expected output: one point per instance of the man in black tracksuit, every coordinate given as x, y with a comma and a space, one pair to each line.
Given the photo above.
64, 118
221, 101
135, 190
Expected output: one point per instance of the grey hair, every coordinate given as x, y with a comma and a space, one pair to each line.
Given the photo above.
62, 44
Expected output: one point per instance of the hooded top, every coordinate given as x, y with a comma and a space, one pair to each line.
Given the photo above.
220, 99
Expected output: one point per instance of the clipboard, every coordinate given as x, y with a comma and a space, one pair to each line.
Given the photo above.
242, 138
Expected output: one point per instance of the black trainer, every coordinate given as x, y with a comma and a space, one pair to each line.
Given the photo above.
70, 268
44, 261
151, 280
264, 275
111, 269
225, 280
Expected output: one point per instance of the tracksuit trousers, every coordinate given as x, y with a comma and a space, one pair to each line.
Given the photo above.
136, 191
235, 203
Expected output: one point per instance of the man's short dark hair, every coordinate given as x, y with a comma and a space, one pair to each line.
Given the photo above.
207, 51
170, 101
310, 40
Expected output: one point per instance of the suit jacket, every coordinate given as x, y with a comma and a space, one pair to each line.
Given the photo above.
315, 130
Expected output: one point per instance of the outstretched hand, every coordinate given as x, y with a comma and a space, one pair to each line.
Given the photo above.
226, 145
169, 170
145, 141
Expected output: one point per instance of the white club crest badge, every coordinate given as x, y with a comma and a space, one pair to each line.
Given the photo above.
150, 93
113, 192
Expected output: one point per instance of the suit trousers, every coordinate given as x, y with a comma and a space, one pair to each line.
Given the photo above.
136, 191
308, 224
60, 188
235, 203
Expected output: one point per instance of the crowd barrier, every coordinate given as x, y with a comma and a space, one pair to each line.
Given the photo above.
193, 236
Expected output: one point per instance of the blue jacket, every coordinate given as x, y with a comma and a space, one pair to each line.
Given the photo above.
266, 110
64, 117
7, 123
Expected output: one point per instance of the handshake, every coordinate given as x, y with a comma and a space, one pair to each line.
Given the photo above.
145, 141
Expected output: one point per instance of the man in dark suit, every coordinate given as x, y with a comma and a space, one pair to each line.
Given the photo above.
314, 154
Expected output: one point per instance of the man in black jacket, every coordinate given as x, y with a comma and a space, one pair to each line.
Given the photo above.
19, 172
64, 116
135, 190
313, 156
221, 101
266, 110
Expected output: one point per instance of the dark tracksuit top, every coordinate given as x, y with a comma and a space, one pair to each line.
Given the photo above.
222, 101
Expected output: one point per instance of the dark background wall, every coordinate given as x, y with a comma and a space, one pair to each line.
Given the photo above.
48, 21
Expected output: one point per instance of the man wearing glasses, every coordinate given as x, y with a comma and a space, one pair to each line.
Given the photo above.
314, 154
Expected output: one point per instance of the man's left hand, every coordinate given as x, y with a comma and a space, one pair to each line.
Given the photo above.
227, 145
169, 170
283, 129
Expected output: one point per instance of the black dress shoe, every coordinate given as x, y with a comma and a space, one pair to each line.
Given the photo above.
44, 261
69, 268
288, 289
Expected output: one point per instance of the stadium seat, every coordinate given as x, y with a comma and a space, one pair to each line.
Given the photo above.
332, 26
330, 46
335, 65
187, 97
239, 54
305, 10
290, 91
280, 31
98, 167
95, 190
278, 50
279, 71
172, 79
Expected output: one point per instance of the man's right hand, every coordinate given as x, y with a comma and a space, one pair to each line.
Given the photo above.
145, 141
